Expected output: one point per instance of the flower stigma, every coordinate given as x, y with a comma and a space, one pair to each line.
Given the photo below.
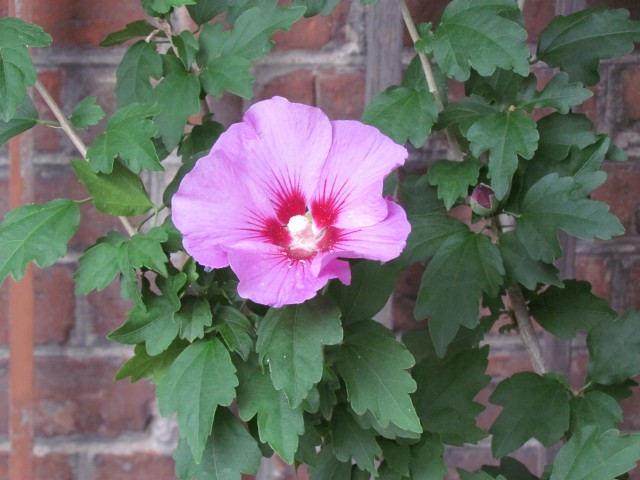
304, 234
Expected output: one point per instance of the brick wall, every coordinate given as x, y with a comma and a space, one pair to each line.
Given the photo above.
89, 428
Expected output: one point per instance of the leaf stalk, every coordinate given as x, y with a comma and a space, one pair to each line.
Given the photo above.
525, 328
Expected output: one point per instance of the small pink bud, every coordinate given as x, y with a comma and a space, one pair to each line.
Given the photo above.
483, 201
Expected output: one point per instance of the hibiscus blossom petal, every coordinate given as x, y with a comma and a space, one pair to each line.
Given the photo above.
349, 193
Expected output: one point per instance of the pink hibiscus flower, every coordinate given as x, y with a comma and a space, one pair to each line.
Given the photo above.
285, 195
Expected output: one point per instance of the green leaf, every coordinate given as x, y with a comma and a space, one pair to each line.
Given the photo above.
506, 135
595, 408
143, 365
576, 43
391, 431
613, 346
373, 365
98, 265
550, 204
520, 267
144, 250
403, 114
464, 475
128, 135
140, 63
595, 455
86, 113
279, 424
328, 466
463, 267
564, 311
558, 133
120, 192
16, 68
465, 112
502, 88
371, 287
139, 28
212, 39
177, 97
446, 389
231, 73
427, 458
413, 76
351, 441
290, 339
558, 94
200, 379
187, 46
478, 34
511, 469
453, 178
163, 6
194, 315
204, 10
534, 407
236, 330
396, 455
25, 117
37, 232
229, 452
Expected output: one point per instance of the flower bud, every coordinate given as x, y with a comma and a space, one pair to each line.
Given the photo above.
483, 201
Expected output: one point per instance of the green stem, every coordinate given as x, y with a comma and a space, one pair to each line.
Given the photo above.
525, 328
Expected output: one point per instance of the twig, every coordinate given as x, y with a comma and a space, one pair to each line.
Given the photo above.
428, 73
525, 328
521, 5
73, 136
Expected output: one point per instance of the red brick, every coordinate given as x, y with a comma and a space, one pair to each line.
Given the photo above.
631, 93
472, 458
81, 397
631, 410
4, 8
315, 32
620, 191
54, 304
108, 310
486, 418
504, 363
632, 283
4, 466
46, 138
132, 467
53, 467
341, 94
537, 15
4, 398
228, 108
297, 86
579, 360
594, 270
404, 299
422, 11
84, 24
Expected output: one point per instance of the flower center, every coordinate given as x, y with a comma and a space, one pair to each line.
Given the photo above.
303, 233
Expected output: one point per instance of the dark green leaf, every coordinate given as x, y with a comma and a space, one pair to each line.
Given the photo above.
140, 63
236, 330
307, 445
464, 475
212, 39
128, 135
477, 34
397, 455
502, 88
120, 192
351, 441
231, 73
139, 28
463, 267
194, 315
558, 94
520, 267
511, 469
613, 346
200, 379
595, 408
465, 112
290, 339
414, 75
576, 43
143, 365
25, 117
403, 114
454, 178
163, 6
86, 113
550, 205
144, 250
558, 133
99, 265
427, 458
534, 407
316, 7
373, 365
564, 311
328, 466
25, 33
595, 455
204, 10
391, 431
506, 135
37, 232
187, 46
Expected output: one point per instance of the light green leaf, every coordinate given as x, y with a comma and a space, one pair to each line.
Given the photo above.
520, 267
86, 113
279, 424
576, 43
453, 178
534, 407
558, 133
595, 455
120, 192
200, 379
477, 34
231, 73
187, 45
37, 232
236, 330
143, 365
550, 205
614, 346
506, 135
463, 267
351, 441
403, 114
25, 117
373, 365
446, 389
558, 94
163, 6
140, 63
564, 311
595, 408
128, 135
290, 340
427, 458
177, 97
137, 29
229, 452
194, 315
16, 68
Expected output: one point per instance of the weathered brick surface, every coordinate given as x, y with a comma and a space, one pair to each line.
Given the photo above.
54, 467
107, 311
126, 467
4, 398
